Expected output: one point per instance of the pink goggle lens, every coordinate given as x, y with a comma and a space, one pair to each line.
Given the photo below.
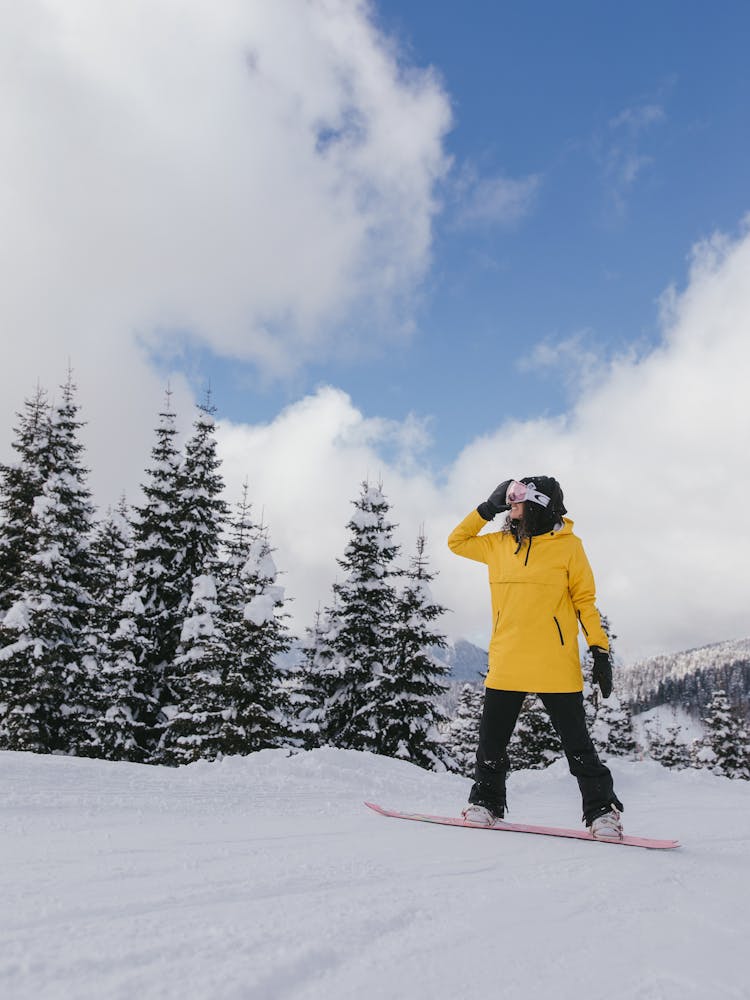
517, 492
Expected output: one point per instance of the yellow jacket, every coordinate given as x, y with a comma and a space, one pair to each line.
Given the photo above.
541, 591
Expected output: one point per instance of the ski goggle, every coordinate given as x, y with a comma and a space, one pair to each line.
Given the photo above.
519, 492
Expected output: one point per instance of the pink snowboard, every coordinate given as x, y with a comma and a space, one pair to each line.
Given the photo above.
545, 831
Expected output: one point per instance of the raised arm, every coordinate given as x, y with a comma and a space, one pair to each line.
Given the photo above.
466, 541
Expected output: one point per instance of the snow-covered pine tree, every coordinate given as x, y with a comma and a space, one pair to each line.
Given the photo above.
194, 723
193, 680
155, 606
667, 747
462, 732
112, 571
408, 713
363, 625
312, 683
123, 728
203, 512
725, 747
255, 626
229, 695
123, 701
47, 646
534, 743
612, 731
20, 484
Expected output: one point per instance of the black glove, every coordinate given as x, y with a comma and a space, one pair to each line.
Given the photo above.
602, 672
496, 501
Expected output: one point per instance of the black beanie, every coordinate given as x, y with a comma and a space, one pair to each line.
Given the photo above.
538, 519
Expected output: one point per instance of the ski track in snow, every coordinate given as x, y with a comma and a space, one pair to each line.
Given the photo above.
266, 877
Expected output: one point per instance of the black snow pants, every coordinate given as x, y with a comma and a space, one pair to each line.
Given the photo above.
568, 718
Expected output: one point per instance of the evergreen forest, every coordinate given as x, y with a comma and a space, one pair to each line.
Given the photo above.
158, 632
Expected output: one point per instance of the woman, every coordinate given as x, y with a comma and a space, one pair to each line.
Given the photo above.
542, 589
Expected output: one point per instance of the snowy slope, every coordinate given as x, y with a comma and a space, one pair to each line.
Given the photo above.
266, 877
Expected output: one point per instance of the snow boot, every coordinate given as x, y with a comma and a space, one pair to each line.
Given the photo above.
608, 826
481, 815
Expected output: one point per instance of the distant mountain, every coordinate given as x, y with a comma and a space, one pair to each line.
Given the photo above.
467, 662
690, 678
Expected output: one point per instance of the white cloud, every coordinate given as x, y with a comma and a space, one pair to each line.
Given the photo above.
577, 360
638, 117
494, 201
623, 162
652, 458
305, 468
244, 175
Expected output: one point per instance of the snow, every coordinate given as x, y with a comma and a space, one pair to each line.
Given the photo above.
260, 609
132, 604
41, 504
18, 616
363, 520
265, 876
660, 718
197, 627
204, 589
259, 562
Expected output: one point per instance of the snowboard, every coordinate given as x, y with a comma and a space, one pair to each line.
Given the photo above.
544, 831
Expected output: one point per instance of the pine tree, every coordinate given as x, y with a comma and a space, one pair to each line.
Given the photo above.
363, 624
253, 606
194, 721
668, 748
112, 572
312, 683
257, 631
228, 698
124, 702
192, 679
20, 484
47, 646
202, 511
725, 748
462, 732
612, 731
122, 724
408, 714
534, 743
150, 642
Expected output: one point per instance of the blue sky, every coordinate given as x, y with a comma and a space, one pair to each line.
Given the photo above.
433, 244
629, 126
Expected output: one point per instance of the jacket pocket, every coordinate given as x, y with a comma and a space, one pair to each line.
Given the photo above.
559, 631
497, 623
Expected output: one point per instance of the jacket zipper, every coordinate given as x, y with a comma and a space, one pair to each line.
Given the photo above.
559, 631
497, 622
585, 630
